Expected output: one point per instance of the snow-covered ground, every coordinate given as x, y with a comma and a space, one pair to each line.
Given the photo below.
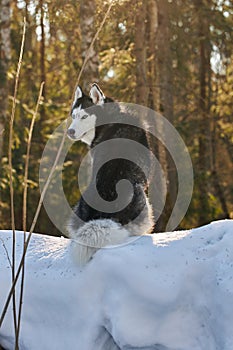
169, 291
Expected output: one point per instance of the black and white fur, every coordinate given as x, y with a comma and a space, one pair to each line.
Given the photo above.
137, 216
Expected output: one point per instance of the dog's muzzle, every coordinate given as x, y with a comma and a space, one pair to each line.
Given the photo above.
71, 133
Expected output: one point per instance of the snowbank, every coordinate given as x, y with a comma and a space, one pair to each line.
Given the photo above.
169, 291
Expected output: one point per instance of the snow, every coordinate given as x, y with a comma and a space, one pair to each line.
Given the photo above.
168, 291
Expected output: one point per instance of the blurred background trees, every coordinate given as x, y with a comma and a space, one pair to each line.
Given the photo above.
171, 55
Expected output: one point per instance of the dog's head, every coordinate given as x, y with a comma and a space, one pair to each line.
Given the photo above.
84, 120
83, 123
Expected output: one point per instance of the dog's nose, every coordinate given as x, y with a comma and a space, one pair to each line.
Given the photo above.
71, 132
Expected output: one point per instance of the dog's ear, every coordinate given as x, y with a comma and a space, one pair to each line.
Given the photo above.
78, 94
97, 95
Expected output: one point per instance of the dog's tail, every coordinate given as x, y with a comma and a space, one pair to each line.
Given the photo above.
94, 235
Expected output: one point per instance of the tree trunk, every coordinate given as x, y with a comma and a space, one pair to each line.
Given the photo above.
215, 175
152, 13
165, 106
5, 55
87, 26
156, 191
42, 45
227, 141
203, 121
141, 56
42, 64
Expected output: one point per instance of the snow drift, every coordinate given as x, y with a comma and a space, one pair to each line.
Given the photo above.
168, 291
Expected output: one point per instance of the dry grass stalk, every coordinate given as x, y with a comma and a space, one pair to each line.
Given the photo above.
25, 184
48, 180
11, 170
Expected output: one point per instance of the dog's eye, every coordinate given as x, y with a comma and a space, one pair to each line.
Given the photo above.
73, 116
84, 116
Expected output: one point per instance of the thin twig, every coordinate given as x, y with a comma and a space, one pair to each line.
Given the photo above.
11, 170
47, 184
7, 254
25, 184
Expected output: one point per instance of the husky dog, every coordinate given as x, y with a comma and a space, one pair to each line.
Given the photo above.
89, 125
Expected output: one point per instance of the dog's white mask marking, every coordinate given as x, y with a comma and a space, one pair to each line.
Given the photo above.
83, 125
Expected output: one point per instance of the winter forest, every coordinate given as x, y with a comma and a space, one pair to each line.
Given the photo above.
173, 56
